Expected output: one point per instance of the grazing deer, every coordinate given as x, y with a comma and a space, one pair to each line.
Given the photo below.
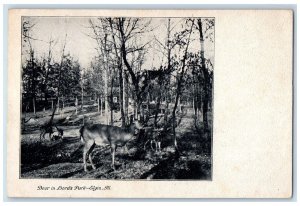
101, 135
48, 128
58, 134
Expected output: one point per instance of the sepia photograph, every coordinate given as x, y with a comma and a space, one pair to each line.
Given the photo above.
117, 98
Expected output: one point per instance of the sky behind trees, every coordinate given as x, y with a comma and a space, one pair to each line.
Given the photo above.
82, 47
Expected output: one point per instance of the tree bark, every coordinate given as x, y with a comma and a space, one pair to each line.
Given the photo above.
82, 82
205, 74
105, 80
157, 109
126, 98
33, 103
111, 101
121, 100
101, 106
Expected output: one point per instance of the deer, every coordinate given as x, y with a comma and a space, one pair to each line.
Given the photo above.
58, 134
48, 128
153, 136
105, 135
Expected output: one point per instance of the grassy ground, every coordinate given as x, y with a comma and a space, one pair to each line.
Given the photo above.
63, 158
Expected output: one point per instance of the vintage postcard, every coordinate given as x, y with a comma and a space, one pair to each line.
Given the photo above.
150, 103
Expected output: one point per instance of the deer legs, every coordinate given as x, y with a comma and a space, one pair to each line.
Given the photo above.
90, 156
42, 135
156, 143
159, 146
87, 151
113, 152
84, 159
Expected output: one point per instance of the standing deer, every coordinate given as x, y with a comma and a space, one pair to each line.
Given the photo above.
101, 135
153, 136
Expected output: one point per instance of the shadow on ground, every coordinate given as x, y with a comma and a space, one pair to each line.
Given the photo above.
193, 161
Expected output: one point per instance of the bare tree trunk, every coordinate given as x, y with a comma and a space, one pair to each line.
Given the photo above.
59, 81
120, 68
166, 112
134, 78
206, 76
179, 86
134, 109
162, 88
45, 90
139, 106
111, 102
179, 103
105, 80
82, 95
200, 101
121, 98
33, 104
157, 108
58, 104
101, 102
32, 64
194, 99
76, 105
105, 97
126, 98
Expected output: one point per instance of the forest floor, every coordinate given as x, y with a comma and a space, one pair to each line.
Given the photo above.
63, 158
